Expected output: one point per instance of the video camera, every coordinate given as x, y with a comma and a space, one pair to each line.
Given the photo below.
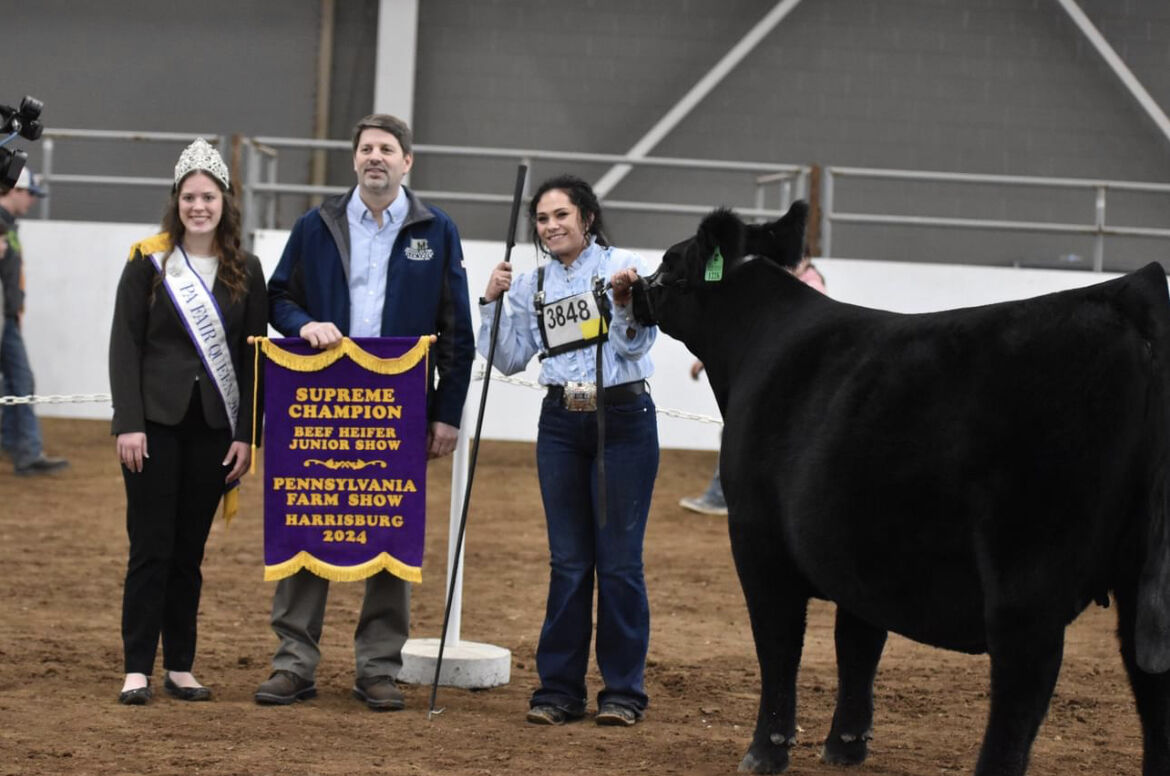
26, 122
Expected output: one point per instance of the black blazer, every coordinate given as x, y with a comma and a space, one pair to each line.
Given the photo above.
154, 364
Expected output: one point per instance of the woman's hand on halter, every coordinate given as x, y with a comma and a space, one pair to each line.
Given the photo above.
622, 282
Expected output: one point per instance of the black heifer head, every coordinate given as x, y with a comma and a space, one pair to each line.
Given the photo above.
695, 271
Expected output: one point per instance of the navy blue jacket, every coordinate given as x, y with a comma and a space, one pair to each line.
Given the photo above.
426, 293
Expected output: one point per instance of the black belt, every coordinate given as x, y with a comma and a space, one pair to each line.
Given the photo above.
614, 394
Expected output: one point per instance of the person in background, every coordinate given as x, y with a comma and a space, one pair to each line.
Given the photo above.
20, 431
808, 273
181, 377
552, 312
3, 250
712, 502
374, 262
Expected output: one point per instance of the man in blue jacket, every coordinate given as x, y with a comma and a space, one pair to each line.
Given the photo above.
373, 262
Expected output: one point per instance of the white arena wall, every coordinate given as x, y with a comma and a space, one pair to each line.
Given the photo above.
72, 270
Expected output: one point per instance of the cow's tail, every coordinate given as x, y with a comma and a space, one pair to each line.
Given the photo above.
1152, 636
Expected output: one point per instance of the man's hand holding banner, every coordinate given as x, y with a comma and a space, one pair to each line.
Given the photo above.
345, 458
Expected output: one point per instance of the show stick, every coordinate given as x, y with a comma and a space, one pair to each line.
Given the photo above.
453, 574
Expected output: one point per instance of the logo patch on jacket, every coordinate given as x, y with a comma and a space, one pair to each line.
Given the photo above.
419, 250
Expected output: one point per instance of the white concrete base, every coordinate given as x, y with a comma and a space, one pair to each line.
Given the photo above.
466, 664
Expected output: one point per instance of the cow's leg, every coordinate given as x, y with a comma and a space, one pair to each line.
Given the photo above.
777, 602
859, 647
1026, 651
1150, 691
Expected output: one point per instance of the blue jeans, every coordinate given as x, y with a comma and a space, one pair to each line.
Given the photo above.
714, 492
582, 549
20, 433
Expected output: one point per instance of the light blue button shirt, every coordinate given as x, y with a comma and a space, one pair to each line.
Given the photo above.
625, 356
369, 260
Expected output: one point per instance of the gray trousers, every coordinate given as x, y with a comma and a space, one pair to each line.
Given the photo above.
298, 613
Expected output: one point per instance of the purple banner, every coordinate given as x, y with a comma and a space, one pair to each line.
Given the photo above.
345, 458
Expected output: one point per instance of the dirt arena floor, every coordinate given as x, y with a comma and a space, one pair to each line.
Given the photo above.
63, 550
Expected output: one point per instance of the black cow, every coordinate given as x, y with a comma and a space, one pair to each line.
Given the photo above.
970, 479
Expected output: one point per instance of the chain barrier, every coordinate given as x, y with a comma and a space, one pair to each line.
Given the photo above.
85, 398
56, 398
680, 414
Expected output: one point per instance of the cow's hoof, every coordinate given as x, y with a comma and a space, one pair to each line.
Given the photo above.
845, 749
766, 759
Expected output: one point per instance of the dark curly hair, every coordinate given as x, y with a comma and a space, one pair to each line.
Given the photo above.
580, 194
227, 237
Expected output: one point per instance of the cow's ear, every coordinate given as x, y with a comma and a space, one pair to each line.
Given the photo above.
782, 240
719, 244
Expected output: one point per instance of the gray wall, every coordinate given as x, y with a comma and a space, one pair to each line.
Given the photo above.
990, 86
219, 66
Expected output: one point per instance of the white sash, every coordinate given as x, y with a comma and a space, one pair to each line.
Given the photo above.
204, 323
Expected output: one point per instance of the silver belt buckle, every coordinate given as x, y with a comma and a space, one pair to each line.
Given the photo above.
580, 397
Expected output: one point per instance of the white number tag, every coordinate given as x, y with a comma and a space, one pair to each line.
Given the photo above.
572, 322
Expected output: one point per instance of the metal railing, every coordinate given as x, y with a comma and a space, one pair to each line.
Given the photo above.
49, 146
262, 189
1099, 229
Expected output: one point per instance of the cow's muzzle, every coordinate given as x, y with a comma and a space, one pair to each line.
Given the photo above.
644, 290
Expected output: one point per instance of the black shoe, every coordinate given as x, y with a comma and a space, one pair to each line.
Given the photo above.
42, 465
613, 714
285, 687
380, 693
548, 714
136, 697
186, 693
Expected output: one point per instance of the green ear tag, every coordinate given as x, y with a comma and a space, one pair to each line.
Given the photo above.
714, 271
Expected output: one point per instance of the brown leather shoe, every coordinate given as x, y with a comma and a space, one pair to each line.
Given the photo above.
380, 693
285, 687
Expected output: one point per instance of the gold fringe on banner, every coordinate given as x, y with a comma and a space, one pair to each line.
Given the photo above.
255, 398
303, 560
370, 362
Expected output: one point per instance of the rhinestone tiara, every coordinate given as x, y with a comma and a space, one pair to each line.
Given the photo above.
201, 156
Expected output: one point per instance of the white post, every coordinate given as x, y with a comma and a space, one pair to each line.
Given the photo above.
826, 212
466, 664
1099, 241
394, 60
459, 471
